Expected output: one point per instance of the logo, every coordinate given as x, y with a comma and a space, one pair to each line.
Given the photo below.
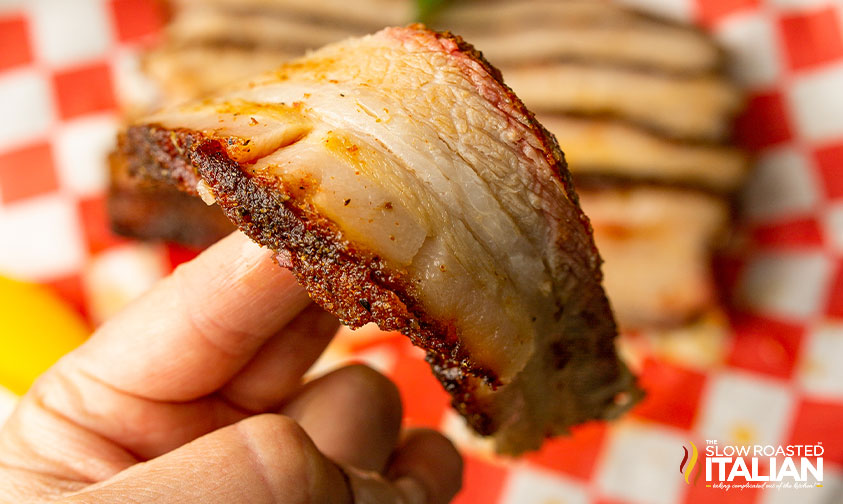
694, 454
754, 466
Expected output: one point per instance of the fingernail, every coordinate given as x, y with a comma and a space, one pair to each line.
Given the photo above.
411, 490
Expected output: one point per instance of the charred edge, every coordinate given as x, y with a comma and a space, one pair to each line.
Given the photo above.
155, 210
159, 155
285, 49
554, 155
361, 27
610, 365
336, 275
165, 214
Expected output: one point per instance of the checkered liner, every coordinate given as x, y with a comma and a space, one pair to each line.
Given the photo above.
60, 66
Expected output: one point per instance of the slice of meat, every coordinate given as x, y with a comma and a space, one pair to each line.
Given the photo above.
152, 210
499, 16
696, 107
254, 28
644, 45
583, 30
595, 147
406, 185
188, 71
370, 14
657, 245
210, 43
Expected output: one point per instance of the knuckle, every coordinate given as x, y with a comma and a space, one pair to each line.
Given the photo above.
373, 389
284, 455
278, 427
58, 391
368, 380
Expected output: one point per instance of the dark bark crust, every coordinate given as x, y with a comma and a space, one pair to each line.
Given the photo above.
150, 210
355, 284
350, 282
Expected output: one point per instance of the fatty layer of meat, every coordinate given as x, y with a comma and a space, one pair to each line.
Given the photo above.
651, 99
614, 148
429, 172
656, 245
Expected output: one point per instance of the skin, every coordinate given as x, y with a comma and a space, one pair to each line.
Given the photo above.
194, 393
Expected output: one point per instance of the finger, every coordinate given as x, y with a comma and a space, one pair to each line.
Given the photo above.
352, 414
39, 440
263, 459
276, 370
143, 427
425, 469
148, 428
198, 327
428, 459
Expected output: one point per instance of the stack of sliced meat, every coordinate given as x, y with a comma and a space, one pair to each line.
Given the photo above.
642, 109
639, 105
446, 213
210, 43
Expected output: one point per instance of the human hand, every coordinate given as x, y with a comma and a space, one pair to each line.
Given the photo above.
194, 394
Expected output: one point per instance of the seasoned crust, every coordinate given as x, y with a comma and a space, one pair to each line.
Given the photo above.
164, 213
149, 210
350, 282
575, 362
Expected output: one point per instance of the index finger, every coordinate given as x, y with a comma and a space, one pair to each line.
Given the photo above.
194, 331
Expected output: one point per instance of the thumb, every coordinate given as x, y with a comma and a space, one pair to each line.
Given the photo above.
262, 459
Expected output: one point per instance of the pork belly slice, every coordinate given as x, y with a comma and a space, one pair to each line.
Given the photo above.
155, 210
693, 107
669, 49
369, 14
582, 30
597, 147
657, 244
507, 15
187, 71
405, 185
702, 343
251, 28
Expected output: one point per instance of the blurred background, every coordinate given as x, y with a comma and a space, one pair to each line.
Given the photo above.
706, 142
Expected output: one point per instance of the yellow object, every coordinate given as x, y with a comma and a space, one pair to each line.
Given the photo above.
36, 329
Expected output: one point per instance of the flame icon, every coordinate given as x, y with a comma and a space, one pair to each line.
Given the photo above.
691, 463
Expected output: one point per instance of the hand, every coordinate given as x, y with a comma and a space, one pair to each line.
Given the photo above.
194, 394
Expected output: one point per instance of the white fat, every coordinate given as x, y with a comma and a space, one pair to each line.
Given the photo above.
365, 212
431, 174
595, 146
670, 48
205, 192
260, 132
463, 222
497, 319
651, 98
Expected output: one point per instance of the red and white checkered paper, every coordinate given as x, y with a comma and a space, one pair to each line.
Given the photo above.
62, 63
